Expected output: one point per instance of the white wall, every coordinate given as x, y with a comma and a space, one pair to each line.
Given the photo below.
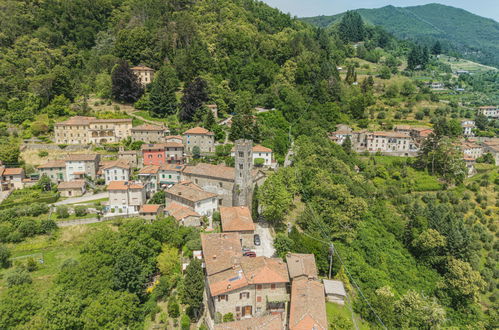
206, 207
116, 174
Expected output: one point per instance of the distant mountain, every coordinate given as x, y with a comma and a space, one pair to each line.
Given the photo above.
473, 36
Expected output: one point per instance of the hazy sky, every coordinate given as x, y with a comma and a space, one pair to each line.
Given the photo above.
303, 8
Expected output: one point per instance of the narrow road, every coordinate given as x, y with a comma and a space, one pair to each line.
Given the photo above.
82, 199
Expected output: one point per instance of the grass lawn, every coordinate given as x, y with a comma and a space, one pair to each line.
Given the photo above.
55, 249
341, 316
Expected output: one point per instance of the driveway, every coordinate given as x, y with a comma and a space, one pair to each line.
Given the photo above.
266, 247
82, 199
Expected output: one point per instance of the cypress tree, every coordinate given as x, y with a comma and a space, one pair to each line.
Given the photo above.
162, 97
194, 287
195, 94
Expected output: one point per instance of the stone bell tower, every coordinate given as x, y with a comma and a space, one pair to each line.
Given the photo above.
243, 183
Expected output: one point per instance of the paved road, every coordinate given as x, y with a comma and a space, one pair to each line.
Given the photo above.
266, 247
82, 199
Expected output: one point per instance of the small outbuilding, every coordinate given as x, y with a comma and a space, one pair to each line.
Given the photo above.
151, 211
335, 291
74, 188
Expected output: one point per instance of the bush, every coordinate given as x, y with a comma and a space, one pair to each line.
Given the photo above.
18, 276
4, 256
185, 322
80, 210
62, 212
43, 153
259, 162
31, 265
229, 317
173, 308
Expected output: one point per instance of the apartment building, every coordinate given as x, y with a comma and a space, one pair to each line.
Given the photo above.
144, 74
125, 197
80, 165
199, 137
193, 197
86, 130
149, 133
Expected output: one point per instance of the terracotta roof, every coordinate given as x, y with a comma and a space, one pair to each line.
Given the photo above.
179, 211
76, 120
141, 67
198, 131
171, 167
150, 208
301, 265
220, 250
489, 107
391, 134
111, 120
76, 184
153, 146
53, 164
116, 163
190, 191
403, 127
308, 306
13, 171
470, 145
82, 157
227, 281
267, 322
261, 270
123, 185
214, 171
173, 145
150, 169
259, 148
237, 218
148, 127
169, 137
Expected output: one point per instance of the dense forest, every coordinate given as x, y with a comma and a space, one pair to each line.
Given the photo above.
420, 241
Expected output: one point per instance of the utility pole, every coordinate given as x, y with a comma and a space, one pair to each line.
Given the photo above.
331, 253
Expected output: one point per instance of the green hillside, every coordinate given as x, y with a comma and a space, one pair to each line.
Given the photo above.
472, 36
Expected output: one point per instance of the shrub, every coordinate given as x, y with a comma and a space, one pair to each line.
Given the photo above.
173, 308
80, 210
18, 276
185, 322
31, 265
229, 317
43, 153
4, 256
62, 212
259, 162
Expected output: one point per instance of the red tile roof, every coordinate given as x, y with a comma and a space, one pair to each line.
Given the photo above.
82, 157
150, 169
209, 170
53, 164
237, 218
141, 68
13, 171
116, 163
150, 208
308, 306
189, 191
179, 211
124, 185
262, 270
76, 184
301, 265
259, 148
198, 131
220, 251
267, 322
148, 127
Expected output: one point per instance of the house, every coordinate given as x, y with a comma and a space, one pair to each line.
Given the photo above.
471, 150
301, 265
151, 211
129, 156
470, 165
148, 175
492, 147
174, 138
55, 170
163, 153
183, 214
267, 322
308, 306
125, 197
11, 178
80, 165
191, 195
155, 177
238, 219
200, 137
243, 286
385, 141
335, 291
489, 111
219, 179
85, 130
260, 152
144, 74
73, 188
149, 133
116, 171
468, 127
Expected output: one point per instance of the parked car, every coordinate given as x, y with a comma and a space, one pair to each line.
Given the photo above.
250, 254
256, 240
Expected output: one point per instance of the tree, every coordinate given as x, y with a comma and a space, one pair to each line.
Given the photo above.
80, 210
451, 128
283, 244
275, 199
169, 261
195, 94
9, 153
4, 256
416, 311
347, 145
158, 198
481, 121
162, 98
229, 317
351, 76
18, 276
62, 211
254, 204
194, 287
437, 48
18, 305
63, 310
464, 283
418, 57
408, 88
128, 273
351, 27
196, 152
173, 307
126, 87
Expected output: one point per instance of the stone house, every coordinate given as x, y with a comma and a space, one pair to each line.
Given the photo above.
301, 265
260, 152
55, 170
116, 171
238, 219
194, 197
174, 138
389, 142
125, 197
183, 214
129, 156
243, 286
200, 137
85, 130
471, 150
11, 178
155, 177
149, 133
335, 291
75, 130
144, 74
74, 188
80, 165
489, 111
151, 211
308, 305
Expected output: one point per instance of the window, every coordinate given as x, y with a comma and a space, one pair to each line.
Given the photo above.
272, 286
258, 299
220, 184
238, 309
241, 154
258, 287
244, 295
223, 297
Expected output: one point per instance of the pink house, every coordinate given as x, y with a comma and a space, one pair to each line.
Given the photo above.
153, 154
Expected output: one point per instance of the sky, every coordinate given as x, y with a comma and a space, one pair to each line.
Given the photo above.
305, 8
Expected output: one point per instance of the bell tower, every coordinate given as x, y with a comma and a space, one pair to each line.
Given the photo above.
243, 183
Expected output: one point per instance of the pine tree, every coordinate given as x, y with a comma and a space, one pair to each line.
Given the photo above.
351, 76
162, 97
254, 204
351, 27
209, 120
347, 145
194, 287
126, 87
437, 48
195, 94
